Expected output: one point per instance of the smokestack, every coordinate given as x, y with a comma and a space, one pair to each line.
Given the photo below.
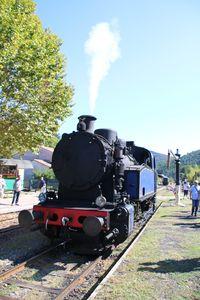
86, 123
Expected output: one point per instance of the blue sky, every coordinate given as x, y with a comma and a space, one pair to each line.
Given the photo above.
151, 93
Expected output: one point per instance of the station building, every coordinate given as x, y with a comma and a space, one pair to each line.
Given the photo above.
25, 166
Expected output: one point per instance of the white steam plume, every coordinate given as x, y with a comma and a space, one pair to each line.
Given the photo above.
103, 47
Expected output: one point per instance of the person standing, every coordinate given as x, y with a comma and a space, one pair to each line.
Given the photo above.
186, 188
194, 195
17, 187
42, 185
2, 186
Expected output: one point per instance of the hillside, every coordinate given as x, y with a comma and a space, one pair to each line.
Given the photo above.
192, 158
160, 158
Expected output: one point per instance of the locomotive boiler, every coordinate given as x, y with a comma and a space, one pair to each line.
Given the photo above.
105, 184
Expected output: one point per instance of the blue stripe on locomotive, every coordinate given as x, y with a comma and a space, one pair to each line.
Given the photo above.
140, 182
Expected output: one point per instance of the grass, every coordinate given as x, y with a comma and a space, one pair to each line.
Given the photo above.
165, 262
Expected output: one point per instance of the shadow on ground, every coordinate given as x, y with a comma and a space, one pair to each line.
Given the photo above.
186, 217
190, 225
172, 266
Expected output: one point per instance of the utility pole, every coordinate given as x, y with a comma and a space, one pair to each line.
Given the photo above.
176, 157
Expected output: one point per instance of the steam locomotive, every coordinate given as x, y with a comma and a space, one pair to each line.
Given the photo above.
105, 184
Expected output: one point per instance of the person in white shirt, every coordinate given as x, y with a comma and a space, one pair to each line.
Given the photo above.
194, 196
42, 185
17, 187
2, 186
186, 188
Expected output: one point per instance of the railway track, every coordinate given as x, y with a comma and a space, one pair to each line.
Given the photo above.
73, 272
6, 214
17, 227
10, 228
20, 267
85, 267
6, 220
9, 222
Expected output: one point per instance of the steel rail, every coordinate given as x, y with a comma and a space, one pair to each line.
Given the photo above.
11, 228
7, 274
16, 227
12, 212
78, 280
9, 213
6, 220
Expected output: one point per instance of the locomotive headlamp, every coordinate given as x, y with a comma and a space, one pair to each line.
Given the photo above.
100, 201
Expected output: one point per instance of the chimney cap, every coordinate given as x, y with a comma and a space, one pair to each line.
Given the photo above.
89, 117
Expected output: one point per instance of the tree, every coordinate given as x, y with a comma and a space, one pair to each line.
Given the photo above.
34, 97
48, 174
192, 172
53, 142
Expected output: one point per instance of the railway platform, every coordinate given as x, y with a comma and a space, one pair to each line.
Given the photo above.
164, 263
26, 201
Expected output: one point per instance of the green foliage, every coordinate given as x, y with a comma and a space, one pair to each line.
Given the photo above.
162, 169
47, 174
34, 97
191, 172
192, 158
53, 142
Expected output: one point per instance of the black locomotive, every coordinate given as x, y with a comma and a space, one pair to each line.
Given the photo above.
105, 184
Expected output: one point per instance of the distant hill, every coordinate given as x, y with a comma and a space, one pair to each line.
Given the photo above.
192, 158
160, 158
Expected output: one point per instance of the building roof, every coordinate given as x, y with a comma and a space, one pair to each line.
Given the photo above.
42, 162
20, 163
47, 148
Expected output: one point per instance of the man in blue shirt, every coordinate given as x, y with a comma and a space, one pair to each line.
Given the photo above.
195, 195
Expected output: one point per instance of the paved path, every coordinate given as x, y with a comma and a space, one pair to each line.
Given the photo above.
26, 201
